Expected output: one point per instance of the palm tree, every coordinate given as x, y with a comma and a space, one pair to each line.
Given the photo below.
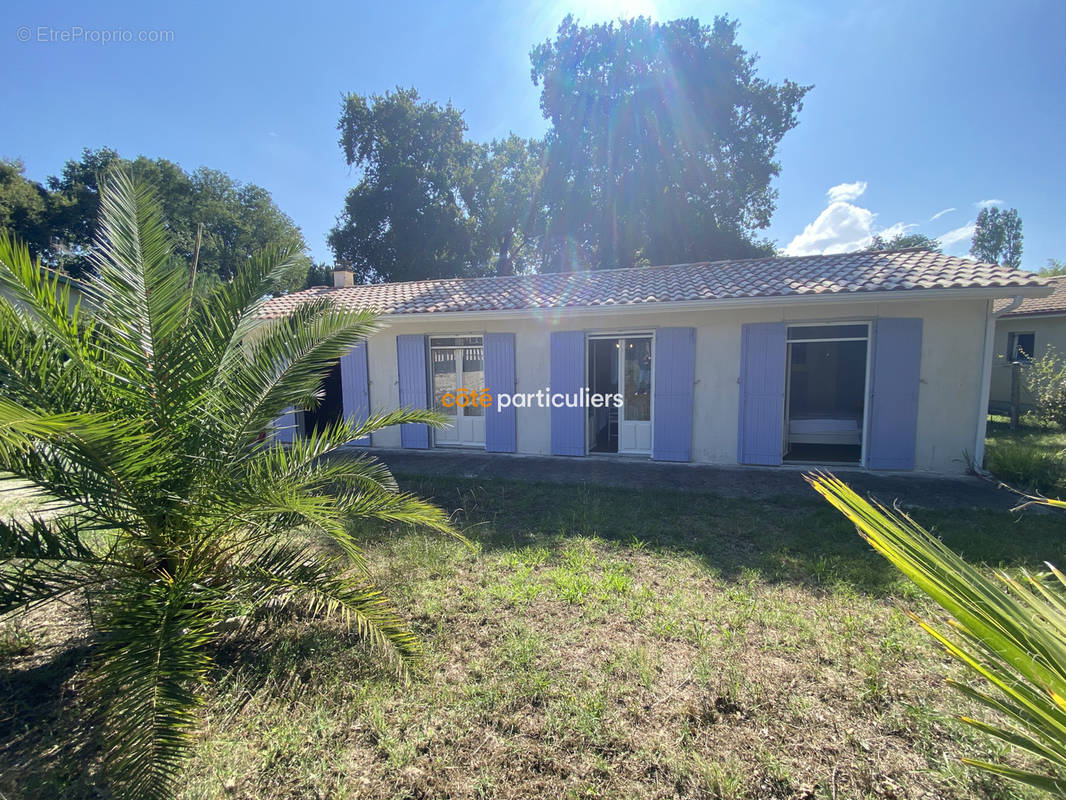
150, 421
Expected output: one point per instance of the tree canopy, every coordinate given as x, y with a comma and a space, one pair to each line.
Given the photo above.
904, 241
25, 207
1055, 266
997, 237
409, 216
662, 142
58, 222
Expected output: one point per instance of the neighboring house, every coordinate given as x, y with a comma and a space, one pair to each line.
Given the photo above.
875, 359
63, 281
1022, 334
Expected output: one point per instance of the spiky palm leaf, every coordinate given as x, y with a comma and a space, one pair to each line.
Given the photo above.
1010, 632
147, 414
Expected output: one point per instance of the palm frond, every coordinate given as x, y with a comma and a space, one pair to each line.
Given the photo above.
1009, 633
46, 558
148, 678
324, 587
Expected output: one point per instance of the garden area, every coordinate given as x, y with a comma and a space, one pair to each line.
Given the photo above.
1031, 458
594, 642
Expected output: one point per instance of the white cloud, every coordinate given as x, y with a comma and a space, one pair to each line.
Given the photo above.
987, 203
842, 226
838, 229
846, 192
952, 237
939, 214
892, 231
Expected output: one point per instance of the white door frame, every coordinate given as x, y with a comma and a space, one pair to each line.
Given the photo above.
621, 335
869, 339
477, 441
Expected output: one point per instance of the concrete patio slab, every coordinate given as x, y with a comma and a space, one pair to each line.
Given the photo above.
910, 489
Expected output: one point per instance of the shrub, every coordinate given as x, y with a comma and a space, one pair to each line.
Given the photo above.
151, 420
1045, 379
1027, 466
1010, 633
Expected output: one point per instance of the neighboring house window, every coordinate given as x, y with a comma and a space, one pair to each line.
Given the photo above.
1021, 347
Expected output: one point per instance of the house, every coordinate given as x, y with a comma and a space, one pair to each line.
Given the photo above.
874, 359
1023, 333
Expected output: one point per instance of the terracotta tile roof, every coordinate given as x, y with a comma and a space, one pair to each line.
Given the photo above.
794, 277
1054, 303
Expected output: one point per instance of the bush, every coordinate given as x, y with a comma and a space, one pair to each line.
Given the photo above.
1030, 467
1045, 379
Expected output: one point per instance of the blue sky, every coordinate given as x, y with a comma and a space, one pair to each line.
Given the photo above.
921, 111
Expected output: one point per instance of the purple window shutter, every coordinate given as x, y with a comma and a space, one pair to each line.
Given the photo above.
411, 360
499, 377
895, 373
675, 377
762, 393
567, 377
355, 387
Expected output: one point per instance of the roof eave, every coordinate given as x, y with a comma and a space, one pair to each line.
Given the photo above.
893, 295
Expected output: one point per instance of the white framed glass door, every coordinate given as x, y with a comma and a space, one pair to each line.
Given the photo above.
458, 363
620, 364
635, 367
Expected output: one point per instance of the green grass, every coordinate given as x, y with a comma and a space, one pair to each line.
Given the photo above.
598, 642
1031, 458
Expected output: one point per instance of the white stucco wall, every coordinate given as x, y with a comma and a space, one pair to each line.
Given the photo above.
1049, 330
952, 343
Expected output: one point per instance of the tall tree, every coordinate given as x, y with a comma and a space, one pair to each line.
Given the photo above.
508, 206
662, 142
997, 237
409, 216
1054, 267
235, 220
24, 207
905, 241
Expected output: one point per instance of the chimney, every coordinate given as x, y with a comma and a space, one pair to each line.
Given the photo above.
343, 277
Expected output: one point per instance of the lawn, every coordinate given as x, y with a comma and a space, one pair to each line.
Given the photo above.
1031, 458
597, 642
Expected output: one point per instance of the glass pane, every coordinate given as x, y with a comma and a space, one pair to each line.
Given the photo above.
827, 332
444, 379
1024, 345
470, 341
442, 341
827, 384
473, 377
638, 380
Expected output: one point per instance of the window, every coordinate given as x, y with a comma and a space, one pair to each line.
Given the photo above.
828, 332
1021, 347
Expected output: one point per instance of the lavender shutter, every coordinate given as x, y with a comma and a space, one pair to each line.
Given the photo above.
762, 393
499, 377
895, 373
411, 361
355, 387
567, 377
675, 376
